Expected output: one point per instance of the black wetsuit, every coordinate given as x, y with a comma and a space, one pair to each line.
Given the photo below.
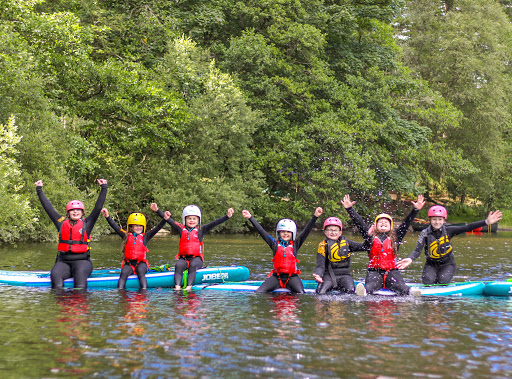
192, 262
440, 263
72, 265
140, 266
336, 274
273, 282
376, 278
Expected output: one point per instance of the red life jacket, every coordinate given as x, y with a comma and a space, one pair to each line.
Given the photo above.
190, 244
134, 248
382, 255
285, 261
74, 238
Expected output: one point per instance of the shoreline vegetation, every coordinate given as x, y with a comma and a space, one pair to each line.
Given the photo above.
273, 108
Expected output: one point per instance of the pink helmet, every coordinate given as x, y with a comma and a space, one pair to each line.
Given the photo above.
438, 211
333, 221
75, 204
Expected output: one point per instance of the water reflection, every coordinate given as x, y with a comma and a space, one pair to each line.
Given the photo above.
136, 304
287, 313
73, 324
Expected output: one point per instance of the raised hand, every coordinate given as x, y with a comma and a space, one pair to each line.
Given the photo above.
230, 212
39, 183
418, 204
154, 207
105, 212
167, 215
318, 211
346, 202
246, 214
493, 217
102, 181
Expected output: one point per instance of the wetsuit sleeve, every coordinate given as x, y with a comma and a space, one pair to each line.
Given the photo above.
359, 223
116, 227
170, 221
263, 233
420, 245
304, 234
358, 246
320, 261
48, 207
207, 227
404, 226
454, 230
153, 231
95, 213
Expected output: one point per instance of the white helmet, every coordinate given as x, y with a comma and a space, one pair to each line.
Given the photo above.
287, 225
191, 210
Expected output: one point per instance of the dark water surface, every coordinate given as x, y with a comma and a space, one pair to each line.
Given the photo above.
163, 333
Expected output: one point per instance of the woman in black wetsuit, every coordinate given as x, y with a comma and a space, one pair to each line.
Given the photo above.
436, 240
73, 258
285, 250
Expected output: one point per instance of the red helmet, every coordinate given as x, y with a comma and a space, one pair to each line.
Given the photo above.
75, 204
438, 211
333, 221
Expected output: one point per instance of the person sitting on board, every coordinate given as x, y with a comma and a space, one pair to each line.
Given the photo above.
285, 249
135, 245
384, 242
333, 258
73, 258
436, 240
191, 247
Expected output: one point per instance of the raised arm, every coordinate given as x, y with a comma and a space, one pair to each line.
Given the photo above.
120, 232
263, 233
96, 211
47, 205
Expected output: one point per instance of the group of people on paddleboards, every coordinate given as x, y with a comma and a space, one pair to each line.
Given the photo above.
381, 241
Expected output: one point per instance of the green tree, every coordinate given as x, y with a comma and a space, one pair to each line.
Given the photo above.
462, 49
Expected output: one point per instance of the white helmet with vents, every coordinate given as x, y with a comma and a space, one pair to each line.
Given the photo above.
191, 210
287, 225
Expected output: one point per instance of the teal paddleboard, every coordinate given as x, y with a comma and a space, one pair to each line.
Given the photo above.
109, 278
452, 289
498, 288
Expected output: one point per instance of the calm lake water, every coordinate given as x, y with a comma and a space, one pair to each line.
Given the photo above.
212, 334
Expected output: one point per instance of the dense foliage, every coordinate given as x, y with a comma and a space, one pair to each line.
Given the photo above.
274, 106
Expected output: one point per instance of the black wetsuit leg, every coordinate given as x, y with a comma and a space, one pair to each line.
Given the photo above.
429, 275
59, 273
126, 271
445, 273
180, 267
141, 270
295, 284
270, 284
81, 270
374, 281
346, 283
395, 282
326, 286
195, 264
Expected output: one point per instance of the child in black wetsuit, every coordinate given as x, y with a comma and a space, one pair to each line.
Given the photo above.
285, 249
333, 258
383, 243
135, 246
190, 255
73, 259
436, 240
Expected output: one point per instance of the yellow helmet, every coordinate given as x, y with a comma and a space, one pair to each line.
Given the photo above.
386, 216
136, 219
